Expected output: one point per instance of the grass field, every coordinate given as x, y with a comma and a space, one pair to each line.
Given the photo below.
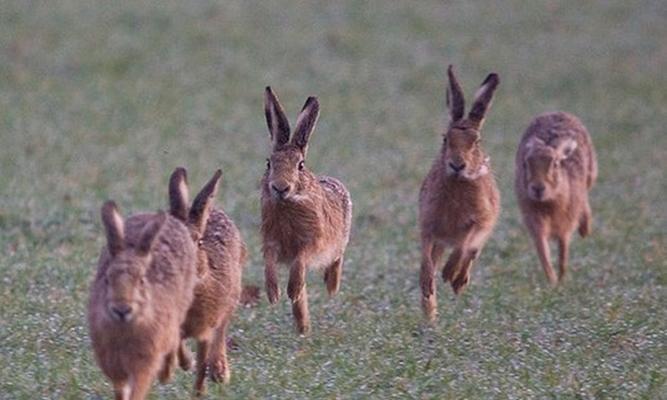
101, 101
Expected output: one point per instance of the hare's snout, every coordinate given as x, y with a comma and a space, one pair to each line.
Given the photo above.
537, 191
280, 190
456, 167
121, 312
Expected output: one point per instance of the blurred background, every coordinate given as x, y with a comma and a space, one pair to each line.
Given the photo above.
102, 100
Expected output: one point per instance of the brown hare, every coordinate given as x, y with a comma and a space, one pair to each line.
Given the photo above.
556, 166
139, 298
459, 201
221, 254
305, 218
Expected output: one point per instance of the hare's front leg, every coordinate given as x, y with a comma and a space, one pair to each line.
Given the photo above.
184, 356
167, 370
142, 384
542, 246
271, 275
427, 279
296, 290
121, 391
563, 255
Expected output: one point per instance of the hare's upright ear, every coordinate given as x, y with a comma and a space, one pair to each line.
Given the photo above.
150, 232
201, 206
114, 227
483, 99
455, 100
178, 194
275, 119
305, 123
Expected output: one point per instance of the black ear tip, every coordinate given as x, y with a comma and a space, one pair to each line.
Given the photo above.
218, 174
109, 205
493, 78
180, 172
311, 102
268, 90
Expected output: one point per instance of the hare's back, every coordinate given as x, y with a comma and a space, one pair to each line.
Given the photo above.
335, 190
222, 238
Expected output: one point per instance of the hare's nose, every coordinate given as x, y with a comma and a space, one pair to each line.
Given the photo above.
538, 190
121, 312
457, 167
280, 189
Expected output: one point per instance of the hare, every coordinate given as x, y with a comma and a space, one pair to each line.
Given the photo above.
459, 202
220, 255
556, 166
305, 218
139, 299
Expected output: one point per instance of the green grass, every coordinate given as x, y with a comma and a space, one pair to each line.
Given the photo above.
100, 101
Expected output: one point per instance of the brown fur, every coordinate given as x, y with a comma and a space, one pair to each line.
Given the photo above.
147, 269
556, 166
221, 254
459, 200
305, 219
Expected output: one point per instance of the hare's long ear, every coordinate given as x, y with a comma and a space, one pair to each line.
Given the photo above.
114, 227
275, 119
149, 233
201, 206
305, 123
455, 100
483, 99
178, 194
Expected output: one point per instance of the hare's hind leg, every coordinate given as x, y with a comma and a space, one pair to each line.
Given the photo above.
202, 356
332, 276
219, 370
585, 220
462, 278
452, 266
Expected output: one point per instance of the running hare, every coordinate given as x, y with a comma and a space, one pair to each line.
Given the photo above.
305, 218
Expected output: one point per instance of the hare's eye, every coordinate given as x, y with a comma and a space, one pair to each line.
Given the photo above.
106, 280
142, 281
200, 242
301, 165
444, 140
268, 164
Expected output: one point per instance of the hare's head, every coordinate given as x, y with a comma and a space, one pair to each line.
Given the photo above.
542, 164
286, 174
124, 280
195, 217
463, 155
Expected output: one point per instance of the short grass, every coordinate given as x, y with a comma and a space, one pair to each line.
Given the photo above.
101, 100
